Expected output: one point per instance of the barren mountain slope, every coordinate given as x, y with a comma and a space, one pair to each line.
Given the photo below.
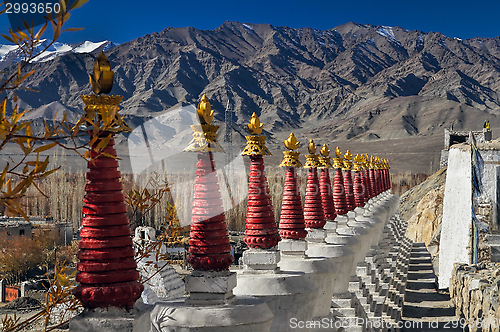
352, 83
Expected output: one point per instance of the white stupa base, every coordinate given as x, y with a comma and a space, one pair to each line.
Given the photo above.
245, 314
288, 295
321, 272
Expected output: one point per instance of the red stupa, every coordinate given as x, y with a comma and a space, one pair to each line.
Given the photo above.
348, 186
368, 178
325, 184
314, 215
107, 274
260, 227
292, 224
339, 197
209, 246
359, 185
372, 177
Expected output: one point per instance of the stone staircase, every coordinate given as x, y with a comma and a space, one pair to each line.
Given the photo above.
375, 297
425, 309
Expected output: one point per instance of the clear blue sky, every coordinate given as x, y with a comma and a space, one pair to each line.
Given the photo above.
122, 21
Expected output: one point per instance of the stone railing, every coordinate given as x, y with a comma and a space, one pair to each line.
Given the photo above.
474, 291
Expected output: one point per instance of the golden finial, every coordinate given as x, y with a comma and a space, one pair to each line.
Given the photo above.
338, 154
255, 127
291, 142
102, 111
348, 155
325, 151
204, 134
362, 161
205, 111
325, 159
101, 81
338, 160
312, 159
291, 158
372, 162
347, 161
256, 145
358, 163
311, 147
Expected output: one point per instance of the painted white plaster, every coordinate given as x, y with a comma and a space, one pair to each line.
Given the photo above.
455, 231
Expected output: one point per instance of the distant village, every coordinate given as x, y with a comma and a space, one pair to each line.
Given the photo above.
36, 227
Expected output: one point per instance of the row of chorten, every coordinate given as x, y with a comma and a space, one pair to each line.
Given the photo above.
209, 243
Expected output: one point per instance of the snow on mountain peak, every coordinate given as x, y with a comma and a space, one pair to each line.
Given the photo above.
10, 54
88, 46
247, 26
387, 32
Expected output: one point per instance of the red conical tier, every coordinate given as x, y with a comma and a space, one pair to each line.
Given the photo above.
359, 189
349, 193
314, 215
209, 241
339, 193
373, 182
325, 187
107, 270
366, 176
292, 216
260, 227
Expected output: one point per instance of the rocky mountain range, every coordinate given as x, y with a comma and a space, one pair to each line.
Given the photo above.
352, 83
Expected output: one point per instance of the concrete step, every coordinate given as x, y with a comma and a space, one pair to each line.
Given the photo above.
341, 303
345, 312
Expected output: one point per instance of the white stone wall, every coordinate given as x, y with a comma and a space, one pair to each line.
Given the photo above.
455, 239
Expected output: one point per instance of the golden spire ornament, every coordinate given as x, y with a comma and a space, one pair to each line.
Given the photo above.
204, 134
338, 161
358, 163
256, 145
102, 79
291, 142
205, 111
325, 159
363, 162
291, 157
255, 127
101, 111
347, 161
368, 161
312, 159
372, 162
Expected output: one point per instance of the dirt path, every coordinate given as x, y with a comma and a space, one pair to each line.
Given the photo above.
426, 309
